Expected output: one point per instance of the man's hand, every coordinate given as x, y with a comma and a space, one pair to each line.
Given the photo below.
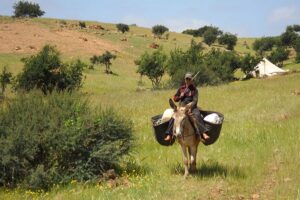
181, 94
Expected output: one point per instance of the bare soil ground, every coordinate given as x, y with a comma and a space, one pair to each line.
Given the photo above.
20, 37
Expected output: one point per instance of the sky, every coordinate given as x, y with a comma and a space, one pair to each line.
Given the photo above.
246, 18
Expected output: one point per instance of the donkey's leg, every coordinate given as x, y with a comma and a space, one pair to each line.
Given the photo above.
189, 158
193, 157
185, 160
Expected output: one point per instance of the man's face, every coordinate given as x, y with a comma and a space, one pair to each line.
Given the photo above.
188, 81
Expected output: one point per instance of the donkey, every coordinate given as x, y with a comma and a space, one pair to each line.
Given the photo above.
184, 131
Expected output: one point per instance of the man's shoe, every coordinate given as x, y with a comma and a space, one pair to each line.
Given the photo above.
168, 138
205, 136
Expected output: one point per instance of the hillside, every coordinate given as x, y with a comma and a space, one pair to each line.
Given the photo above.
256, 157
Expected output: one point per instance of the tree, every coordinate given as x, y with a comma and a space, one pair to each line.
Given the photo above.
296, 28
228, 39
153, 66
27, 9
122, 27
248, 63
199, 32
297, 59
296, 44
106, 60
5, 79
264, 44
209, 36
46, 72
159, 30
289, 37
279, 55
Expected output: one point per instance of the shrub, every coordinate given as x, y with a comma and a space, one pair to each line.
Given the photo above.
122, 27
46, 72
58, 138
27, 9
82, 24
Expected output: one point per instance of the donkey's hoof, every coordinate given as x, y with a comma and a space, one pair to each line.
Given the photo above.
186, 176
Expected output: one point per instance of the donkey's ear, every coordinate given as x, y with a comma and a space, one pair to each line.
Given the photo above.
172, 104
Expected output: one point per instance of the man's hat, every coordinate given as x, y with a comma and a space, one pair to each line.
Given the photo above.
188, 75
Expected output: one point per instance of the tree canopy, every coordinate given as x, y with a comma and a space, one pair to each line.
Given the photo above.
122, 27
27, 9
153, 66
228, 39
159, 30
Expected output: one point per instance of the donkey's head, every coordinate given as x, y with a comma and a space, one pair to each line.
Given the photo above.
180, 118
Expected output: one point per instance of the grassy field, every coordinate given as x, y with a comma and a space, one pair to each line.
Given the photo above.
256, 157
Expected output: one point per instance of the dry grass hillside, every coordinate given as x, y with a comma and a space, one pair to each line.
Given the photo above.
25, 37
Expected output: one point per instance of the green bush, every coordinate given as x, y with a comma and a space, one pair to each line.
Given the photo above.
122, 27
57, 138
82, 24
45, 71
27, 9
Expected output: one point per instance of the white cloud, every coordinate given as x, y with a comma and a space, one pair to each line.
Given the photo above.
284, 14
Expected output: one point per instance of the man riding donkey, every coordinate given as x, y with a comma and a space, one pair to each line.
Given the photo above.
188, 93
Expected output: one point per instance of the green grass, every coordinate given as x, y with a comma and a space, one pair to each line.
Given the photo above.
256, 154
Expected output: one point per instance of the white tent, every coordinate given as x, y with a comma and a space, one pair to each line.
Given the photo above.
266, 68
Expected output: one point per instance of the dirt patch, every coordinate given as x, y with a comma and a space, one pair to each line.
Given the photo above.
29, 38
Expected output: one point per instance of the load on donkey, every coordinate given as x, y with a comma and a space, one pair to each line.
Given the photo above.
187, 123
